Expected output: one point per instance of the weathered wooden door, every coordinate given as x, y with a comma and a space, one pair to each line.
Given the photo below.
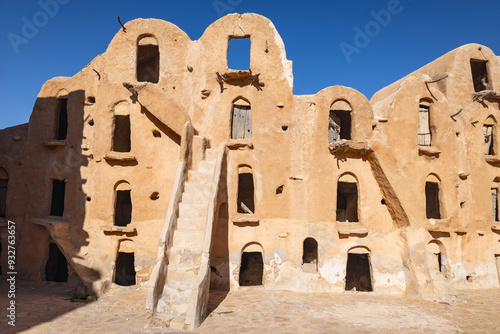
424, 133
241, 127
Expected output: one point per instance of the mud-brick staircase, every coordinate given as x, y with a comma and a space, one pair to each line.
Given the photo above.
185, 254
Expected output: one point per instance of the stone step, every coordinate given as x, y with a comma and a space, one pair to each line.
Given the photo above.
172, 307
211, 154
192, 210
200, 177
206, 166
186, 257
177, 293
191, 224
182, 275
188, 239
197, 197
192, 187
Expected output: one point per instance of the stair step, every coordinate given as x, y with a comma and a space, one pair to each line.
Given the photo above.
191, 224
193, 187
197, 197
172, 307
179, 294
188, 239
192, 210
182, 275
211, 154
206, 166
200, 177
185, 256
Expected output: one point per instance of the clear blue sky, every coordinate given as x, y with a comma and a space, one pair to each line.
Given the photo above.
417, 32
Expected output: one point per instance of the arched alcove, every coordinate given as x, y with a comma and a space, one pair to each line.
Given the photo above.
489, 133
125, 274
121, 127
241, 119
437, 258
123, 204
347, 198
424, 123
432, 197
246, 190
310, 255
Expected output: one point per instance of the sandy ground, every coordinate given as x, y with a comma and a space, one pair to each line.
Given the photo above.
46, 308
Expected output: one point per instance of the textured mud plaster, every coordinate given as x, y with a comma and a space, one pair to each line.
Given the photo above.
287, 64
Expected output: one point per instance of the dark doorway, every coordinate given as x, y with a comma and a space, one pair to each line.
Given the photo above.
123, 208
252, 268
121, 134
358, 274
497, 260
56, 269
125, 269
62, 120
57, 205
432, 200
148, 63
245, 193
1, 257
238, 54
347, 202
479, 75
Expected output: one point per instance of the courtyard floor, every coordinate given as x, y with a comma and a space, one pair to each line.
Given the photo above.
46, 308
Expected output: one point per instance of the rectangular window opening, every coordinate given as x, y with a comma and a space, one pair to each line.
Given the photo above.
339, 125
238, 53
57, 205
432, 200
148, 63
347, 202
62, 120
488, 139
121, 134
123, 208
246, 193
480, 75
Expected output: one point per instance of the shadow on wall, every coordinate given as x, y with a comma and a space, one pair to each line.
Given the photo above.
54, 160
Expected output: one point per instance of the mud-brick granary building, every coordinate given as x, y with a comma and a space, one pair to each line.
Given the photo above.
160, 165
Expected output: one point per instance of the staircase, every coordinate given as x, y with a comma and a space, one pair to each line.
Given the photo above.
180, 291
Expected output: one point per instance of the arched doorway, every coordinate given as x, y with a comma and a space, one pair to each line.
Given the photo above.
358, 270
252, 265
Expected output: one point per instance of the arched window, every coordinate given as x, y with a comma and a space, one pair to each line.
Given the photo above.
125, 274
245, 190
310, 255
347, 199
4, 180
252, 265
148, 59
123, 204
432, 203
339, 122
358, 270
241, 120
494, 201
121, 127
424, 127
489, 128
